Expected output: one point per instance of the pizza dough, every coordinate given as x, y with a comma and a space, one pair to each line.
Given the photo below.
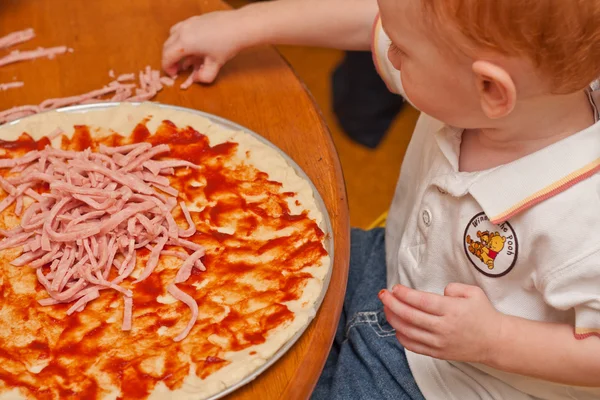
266, 266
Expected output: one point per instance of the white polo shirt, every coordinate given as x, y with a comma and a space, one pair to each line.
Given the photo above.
525, 232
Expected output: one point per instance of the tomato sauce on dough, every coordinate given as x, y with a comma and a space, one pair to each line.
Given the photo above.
252, 270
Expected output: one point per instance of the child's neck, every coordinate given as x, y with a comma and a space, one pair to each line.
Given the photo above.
533, 126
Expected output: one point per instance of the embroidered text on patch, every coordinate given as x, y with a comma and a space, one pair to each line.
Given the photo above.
492, 249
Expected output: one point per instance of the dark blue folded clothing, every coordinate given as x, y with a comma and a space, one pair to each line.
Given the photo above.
362, 104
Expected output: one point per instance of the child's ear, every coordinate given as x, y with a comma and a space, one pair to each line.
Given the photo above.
497, 91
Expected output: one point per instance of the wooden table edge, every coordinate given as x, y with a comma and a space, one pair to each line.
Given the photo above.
301, 385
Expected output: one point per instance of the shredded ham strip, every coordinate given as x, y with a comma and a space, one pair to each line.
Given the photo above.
10, 85
126, 77
190, 79
17, 55
150, 83
16, 37
83, 235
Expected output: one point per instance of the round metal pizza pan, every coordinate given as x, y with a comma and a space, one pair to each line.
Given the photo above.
325, 226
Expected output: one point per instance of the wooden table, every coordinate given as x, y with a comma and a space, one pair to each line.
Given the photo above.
258, 90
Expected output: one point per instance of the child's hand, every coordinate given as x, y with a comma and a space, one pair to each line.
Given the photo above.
462, 325
206, 42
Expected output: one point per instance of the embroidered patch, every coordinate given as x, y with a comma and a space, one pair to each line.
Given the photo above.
492, 249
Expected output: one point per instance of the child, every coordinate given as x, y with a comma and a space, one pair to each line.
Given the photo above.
493, 261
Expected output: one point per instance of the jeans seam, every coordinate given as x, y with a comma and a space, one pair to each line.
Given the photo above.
359, 318
350, 325
385, 333
390, 331
379, 331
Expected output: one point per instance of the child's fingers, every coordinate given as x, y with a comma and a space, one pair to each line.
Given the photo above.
430, 303
415, 346
194, 63
408, 313
410, 331
186, 63
461, 290
172, 39
175, 27
208, 72
172, 54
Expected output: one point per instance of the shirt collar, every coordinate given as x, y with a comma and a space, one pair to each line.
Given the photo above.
507, 190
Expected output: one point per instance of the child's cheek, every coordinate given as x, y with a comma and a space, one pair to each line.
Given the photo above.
407, 89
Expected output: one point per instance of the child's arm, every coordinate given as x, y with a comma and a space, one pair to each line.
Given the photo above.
212, 39
546, 351
463, 325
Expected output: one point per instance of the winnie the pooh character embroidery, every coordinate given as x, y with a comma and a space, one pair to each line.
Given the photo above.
487, 247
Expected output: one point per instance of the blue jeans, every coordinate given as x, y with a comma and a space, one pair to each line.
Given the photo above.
366, 360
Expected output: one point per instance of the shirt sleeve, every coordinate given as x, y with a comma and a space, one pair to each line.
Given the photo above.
577, 287
379, 47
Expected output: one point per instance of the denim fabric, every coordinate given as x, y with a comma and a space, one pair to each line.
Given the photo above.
366, 360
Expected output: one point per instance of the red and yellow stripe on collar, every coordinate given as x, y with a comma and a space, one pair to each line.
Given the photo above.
583, 333
549, 191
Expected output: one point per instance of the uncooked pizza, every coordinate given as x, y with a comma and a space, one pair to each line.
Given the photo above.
147, 252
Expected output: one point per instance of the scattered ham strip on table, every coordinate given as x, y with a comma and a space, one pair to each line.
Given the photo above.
190, 79
17, 55
16, 37
10, 85
150, 83
83, 235
167, 81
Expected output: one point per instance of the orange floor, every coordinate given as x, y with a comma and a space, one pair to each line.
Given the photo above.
370, 174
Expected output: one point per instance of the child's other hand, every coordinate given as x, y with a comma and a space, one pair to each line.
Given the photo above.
207, 42
462, 325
